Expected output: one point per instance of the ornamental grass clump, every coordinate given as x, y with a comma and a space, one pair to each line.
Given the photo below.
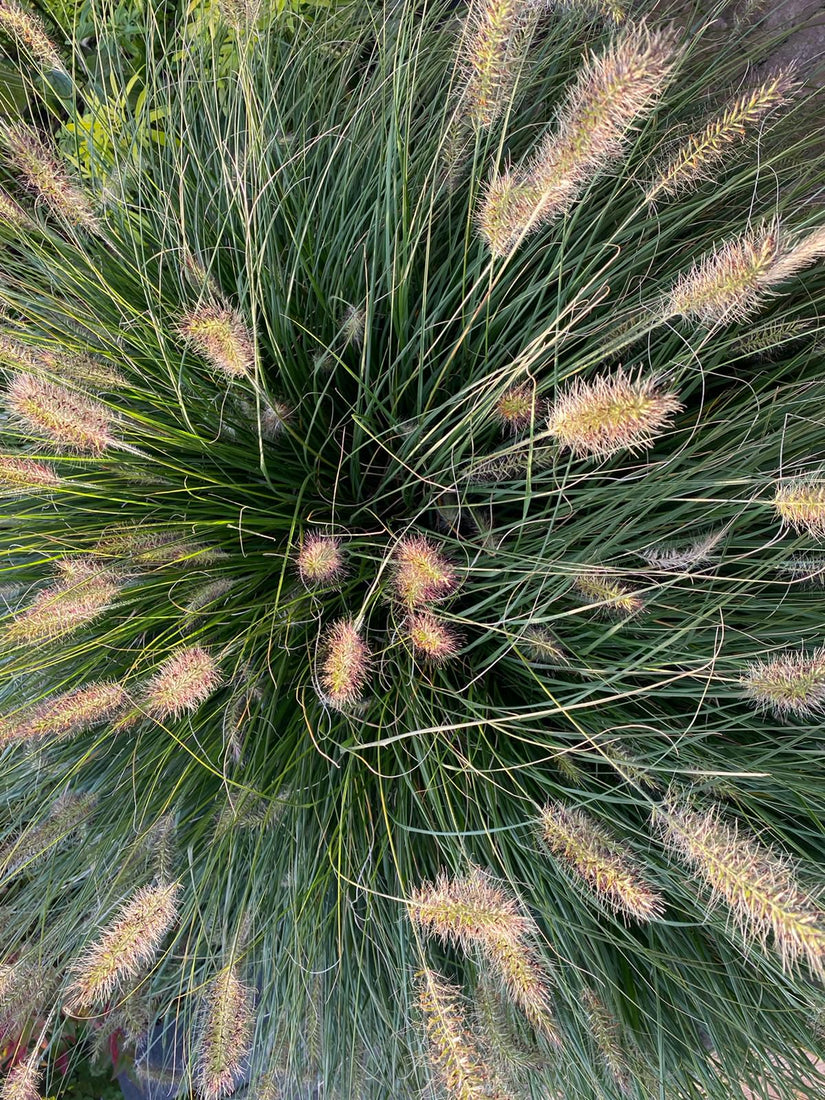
412, 551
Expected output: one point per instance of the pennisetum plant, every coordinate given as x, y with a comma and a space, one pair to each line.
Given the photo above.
412, 543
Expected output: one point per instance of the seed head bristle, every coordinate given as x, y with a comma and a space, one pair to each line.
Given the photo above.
800, 504
790, 685
609, 593
320, 559
611, 413
46, 178
757, 885
604, 1030
62, 609
704, 150
594, 854
431, 638
73, 712
28, 31
225, 1040
455, 1060
729, 283
344, 667
22, 1082
613, 90
220, 335
69, 419
20, 476
515, 409
183, 682
127, 945
421, 573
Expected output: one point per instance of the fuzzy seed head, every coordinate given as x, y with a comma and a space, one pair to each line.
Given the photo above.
517, 968
611, 413
598, 858
344, 667
147, 547
12, 213
800, 504
729, 283
207, 595
421, 573
62, 609
516, 408
221, 336
22, 1081
225, 1041
792, 685
705, 150
469, 911
66, 818
432, 639
28, 31
757, 885
68, 419
488, 57
182, 683
320, 560
612, 596
542, 646
604, 1030
681, 559
455, 1060
46, 178
74, 712
127, 945
20, 476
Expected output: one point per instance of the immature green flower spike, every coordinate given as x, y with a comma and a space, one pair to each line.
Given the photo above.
221, 336
604, 1030
344, 667
28, 31
124, 947
183, 682
73, 712
20, 476
792, 685
69, 419
65, 819
46, 178
681, 559
488, 57
225, 1039
800, 503
757, 885
613, 90
62, 609
208, 596
320, 559
611, 413
148, 547
22, 1081
432, 640
609, 593
601, 861
454, 1057
421, 573
704, 151
516, 407
542, 646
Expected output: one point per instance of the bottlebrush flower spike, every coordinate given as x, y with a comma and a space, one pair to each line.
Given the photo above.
613, 90
19, 476
729, 283
681, 559
542, 646
221, 336
183, 682
421, 573
607, 1039
343, 670
704, 150
488, 57
432, 639
594, 854
225, 1040
516, 408
28, 31
320, 559
45, 177
12, 213
790, 685
69, 419
609, 593
800, 503
456, 1062
66, 817
521, 974
62, 609
145, 546
72, 712
22, 1081
611, 413
469, 911
758, 886
124, 947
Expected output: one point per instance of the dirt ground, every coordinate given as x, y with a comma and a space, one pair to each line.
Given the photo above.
803, 22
